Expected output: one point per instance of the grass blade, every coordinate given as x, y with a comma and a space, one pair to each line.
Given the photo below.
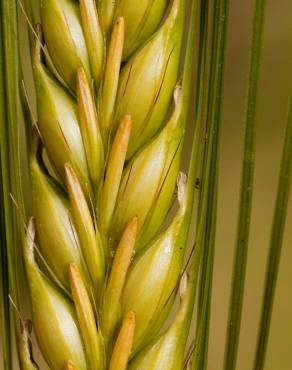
239, 268
277, 235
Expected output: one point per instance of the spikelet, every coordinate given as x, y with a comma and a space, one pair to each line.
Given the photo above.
89, 236
67, 40
167, 351
141, 21
148, 182
58, 239
152, 280
114, 170
149, 77
58, 123
112, 296
53, 315
93, 342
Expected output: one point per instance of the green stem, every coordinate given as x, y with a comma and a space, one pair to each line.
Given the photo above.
203, 325
4, 279
213, 118
239, 269
8, 27
187, 82
10, 159
276, 241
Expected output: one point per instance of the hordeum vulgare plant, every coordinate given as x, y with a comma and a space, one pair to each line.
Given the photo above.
103, 262
99, 190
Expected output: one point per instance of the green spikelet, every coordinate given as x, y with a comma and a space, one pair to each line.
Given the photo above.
141, 21
66, 40
53, 315
58, 123
58, 239
148, 181
149, 77
151, 284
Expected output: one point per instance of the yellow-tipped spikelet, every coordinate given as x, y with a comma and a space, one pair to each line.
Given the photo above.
93, 342
89, 236
153, 278
68, 42
115, 284
148, 181
57, 236
149, 77
167, 351
58, 123
53, 315
114, 170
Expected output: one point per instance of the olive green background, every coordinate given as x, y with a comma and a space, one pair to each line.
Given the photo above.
275, 86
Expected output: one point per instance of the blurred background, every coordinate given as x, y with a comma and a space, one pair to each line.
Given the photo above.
275, 87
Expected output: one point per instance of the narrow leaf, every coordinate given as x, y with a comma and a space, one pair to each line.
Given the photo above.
280, 213
240, 260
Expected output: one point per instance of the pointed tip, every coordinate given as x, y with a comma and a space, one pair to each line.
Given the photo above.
72, 181
68, 169
120, 22
70, 366
124, 343
38, 44
30, 235
130, 319
183, 286
181, 186
132, 226
81, 75
126, 123
73, 271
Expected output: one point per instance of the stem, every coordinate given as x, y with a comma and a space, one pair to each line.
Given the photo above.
8, 28
10, 162
239, 269
187, 81
280, 213
213, 122
203, 324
